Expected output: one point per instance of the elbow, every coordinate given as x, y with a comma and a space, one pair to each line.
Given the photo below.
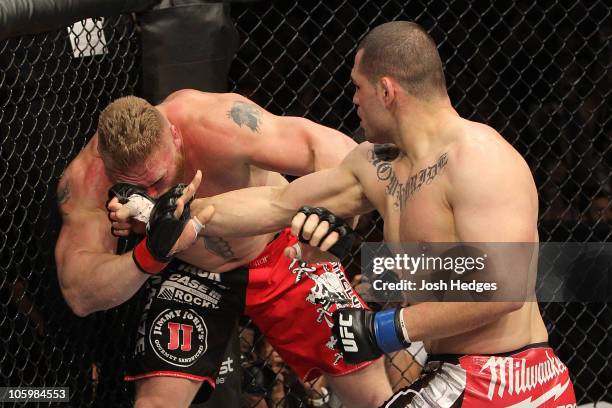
77, 306
80, 312
75, 300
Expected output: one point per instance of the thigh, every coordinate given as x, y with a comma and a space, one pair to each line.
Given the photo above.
367, 387
166, 392
295, 313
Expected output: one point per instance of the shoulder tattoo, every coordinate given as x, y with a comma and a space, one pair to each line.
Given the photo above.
381, 157
246, 114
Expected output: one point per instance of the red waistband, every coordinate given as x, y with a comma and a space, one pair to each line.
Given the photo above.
283, 239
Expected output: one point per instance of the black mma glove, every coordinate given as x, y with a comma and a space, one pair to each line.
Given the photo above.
363, 335
152, 254
347, 236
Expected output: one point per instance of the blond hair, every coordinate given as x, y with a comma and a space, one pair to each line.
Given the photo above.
405, 51
129, 129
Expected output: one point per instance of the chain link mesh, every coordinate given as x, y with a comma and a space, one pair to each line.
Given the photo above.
538, 72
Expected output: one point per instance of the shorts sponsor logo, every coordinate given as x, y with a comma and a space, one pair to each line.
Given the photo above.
331, 290
179, 337
512, 376
184, 289
531, 402
259, 262
347, 337
194, 270
226, 368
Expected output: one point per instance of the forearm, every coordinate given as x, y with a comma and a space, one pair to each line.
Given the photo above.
246, 212
435, 320
259, 210
95, 281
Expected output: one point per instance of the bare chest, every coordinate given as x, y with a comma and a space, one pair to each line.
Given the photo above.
412, 200
426, 217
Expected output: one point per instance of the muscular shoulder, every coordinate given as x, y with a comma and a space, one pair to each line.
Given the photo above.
216, 112
357, 158
83, 184
191, 99
482, 156
480, 146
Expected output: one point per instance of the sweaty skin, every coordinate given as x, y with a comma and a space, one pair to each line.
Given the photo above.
237, 143
447, 179
463, 203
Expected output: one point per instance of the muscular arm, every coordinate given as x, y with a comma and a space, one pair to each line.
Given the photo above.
258, 210
485, 210
286, 144
91, 276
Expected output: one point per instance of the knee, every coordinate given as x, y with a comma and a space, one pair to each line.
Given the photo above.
365, 388
155, 402
147, 403
375, 394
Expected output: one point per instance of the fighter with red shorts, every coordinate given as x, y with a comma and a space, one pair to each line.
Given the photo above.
190, 314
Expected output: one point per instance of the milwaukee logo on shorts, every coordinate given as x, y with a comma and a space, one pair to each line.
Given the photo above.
531, 378
515, 376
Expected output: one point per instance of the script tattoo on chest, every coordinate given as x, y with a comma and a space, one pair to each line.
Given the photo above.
219, 246
381, 157
246, 114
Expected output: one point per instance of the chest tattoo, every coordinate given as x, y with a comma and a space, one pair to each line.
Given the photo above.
381, 157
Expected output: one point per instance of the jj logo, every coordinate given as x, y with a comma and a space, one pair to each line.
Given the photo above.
346, 336
175, 329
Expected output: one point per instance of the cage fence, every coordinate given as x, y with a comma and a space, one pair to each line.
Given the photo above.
538, 72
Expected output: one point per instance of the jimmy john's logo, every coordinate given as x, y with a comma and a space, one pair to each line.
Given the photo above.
186, 289
179, 337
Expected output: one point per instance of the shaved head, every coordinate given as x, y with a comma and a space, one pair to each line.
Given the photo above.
404, 51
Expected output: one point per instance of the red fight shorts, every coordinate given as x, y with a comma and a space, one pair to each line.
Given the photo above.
292, 304
530, 377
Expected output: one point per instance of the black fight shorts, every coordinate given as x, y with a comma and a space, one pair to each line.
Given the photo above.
188, 320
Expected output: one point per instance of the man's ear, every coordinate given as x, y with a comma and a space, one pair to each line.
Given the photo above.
387, 91
177, 138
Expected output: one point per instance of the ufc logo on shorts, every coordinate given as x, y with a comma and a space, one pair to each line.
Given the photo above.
175, 330
346, 336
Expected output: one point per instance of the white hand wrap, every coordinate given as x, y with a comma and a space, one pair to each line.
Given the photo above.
197, 225
140, 207
298, 251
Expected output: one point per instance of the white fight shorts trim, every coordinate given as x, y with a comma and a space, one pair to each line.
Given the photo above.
441, 391
176, 374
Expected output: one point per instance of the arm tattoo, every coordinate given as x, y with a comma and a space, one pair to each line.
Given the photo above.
381, 157
219, 246
246, 114
63, 194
